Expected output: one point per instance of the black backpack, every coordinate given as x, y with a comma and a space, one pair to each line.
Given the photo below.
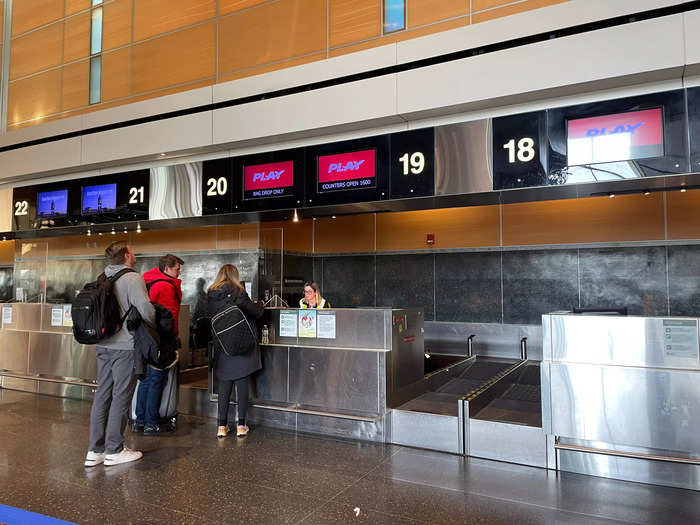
95, 311
233, 332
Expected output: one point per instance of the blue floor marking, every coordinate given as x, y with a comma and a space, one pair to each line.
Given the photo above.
14, 516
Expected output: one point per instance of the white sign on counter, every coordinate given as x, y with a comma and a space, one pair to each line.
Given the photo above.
67, 316
6, 315
249, 288
57, 316
325, 325
19, 295
288, 323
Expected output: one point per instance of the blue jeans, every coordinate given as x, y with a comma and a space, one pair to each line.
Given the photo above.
149, 394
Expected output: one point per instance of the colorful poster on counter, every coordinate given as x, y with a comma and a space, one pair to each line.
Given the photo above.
6, 315
57, 316
288, 323
307, 323
325, 325
67, 316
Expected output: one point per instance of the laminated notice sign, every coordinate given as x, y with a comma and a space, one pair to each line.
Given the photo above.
325, 325
57, 316
307, 323
288, 323
6, 315
67, 316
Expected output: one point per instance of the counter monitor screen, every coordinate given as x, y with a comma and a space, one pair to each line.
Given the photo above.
52, 204
616, 137
347, 171
268, 180
99, 199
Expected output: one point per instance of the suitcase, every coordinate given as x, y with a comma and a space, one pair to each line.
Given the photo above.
169, 397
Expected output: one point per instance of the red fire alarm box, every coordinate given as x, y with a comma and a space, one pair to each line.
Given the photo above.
430, 239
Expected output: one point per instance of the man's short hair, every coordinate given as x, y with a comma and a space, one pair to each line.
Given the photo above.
116, 252
169, 261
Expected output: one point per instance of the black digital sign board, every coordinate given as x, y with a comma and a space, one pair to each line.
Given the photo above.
412, 163
349, 171
108, 198
520, 150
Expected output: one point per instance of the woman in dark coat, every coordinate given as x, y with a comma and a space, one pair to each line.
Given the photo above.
231, 371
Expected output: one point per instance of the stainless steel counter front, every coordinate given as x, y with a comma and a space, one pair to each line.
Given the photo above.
39, 354
340, 373
621, 396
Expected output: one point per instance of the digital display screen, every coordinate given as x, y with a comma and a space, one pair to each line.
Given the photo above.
346, 171
52, 203
268, 180
99, 199
616, 137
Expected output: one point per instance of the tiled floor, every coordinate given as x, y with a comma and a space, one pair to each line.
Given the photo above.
279, 477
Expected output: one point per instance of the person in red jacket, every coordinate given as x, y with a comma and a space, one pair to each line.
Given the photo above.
164, 288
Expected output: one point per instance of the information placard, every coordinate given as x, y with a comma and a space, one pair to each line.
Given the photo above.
57, 316
67, 315
6, 315
347, 171
307, 323
681, 338
325, 325
288, 323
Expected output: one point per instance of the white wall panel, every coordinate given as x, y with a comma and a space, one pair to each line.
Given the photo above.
39, 131
366, 100
152, 106
654, 47
163, 136
692, 42
359, 62
51, 156
567, 14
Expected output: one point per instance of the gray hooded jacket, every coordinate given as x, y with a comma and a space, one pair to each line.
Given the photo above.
131, 291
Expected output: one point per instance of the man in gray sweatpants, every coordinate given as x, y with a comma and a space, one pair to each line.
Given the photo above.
115, 366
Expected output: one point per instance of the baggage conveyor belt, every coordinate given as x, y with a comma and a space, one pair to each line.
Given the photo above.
443, 399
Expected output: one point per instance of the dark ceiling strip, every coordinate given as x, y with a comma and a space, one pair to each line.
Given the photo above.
441, 59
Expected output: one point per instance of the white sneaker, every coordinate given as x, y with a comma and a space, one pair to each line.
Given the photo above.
94, 458
125, 456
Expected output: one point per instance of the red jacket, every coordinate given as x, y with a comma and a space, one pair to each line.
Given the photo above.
167, 294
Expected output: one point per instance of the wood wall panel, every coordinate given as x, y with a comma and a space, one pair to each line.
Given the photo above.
174, 241
34, 97
599, 219
298, 26
420, 12
73, 245
528, 5
176, 58
116, 24
273, 67
348, 234
171, 91
683, 212
298, 236
453, 228
36, 51
76, 42
237, 237
73, 6
354, 20
155, 17
230, 6
7, 252
29, 14
76, 85
116, 74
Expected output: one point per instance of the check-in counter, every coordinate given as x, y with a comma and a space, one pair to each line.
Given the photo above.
39, 354
621, 397
337, 372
